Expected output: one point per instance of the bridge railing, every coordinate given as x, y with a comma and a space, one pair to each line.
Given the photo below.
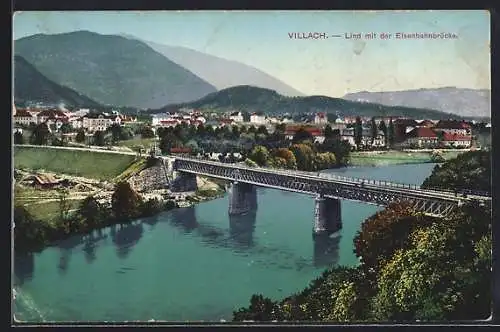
319, 175
360, 181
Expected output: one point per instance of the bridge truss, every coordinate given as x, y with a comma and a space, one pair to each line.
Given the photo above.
426, 201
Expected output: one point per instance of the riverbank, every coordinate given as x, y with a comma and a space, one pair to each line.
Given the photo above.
385, 158
53, 212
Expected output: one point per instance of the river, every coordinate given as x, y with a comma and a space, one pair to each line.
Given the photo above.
192, 264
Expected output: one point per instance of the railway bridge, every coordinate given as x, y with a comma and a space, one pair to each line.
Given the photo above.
327, 189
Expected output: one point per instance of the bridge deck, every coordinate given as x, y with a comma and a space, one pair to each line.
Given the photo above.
370, 191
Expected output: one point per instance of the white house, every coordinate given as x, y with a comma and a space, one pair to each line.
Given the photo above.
257, 119
236, 117
23, 117
100, 121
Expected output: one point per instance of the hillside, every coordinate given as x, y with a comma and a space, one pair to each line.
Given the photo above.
248, 98
112, 70
219, 72
463, 102
30, 86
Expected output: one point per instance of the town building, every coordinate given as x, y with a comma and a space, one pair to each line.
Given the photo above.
52, 115
320, 118
168, 123
316, 133
23, 117
100, 121
348, 134
257, 118
236, 117
456, 140
453, 127
421, 137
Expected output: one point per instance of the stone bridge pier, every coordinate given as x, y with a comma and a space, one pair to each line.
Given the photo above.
183, 182
242, 198
327, 215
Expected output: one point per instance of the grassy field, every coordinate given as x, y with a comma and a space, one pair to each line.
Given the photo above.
395, 158
95, 165
137, 142
42, 204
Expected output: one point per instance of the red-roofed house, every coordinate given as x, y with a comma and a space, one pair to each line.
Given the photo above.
226, 122
457, 140
169, 123
51, 114
453, 127
320, 118
23, 117
316, 133
421, 137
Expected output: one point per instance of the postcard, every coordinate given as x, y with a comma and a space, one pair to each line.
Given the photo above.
251, 166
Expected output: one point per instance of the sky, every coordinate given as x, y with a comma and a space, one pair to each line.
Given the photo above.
331, 67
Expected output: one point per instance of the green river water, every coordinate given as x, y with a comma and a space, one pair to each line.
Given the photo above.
192, 264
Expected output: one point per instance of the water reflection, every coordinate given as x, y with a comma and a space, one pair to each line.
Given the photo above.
65, 249
242, 228
326, 250
185, 218
125, 237
91, 241
24, 267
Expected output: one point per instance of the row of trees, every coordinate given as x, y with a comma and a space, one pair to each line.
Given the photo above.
302, 157
388, 131
412, 267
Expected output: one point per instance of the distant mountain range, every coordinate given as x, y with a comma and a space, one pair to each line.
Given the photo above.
30, 86
112, 70
463, 102
219, 72
252, 99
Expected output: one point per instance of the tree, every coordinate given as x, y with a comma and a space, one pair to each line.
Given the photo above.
201, 131
147, 132
374, 129
40, 135
209, 131
262, 309
259, 155
340, 148
169, 141
99, 138
286, 155
323, 161
302, 135
90, 211
116, 132
252, 129
80, 136
470, 170
66, 128
29, 233
125, 202
262, 130
328, 132
63, 204
431, 280
383, 128
390, 134
303, 155
236, 132
358, 132
18, 138
385, 232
